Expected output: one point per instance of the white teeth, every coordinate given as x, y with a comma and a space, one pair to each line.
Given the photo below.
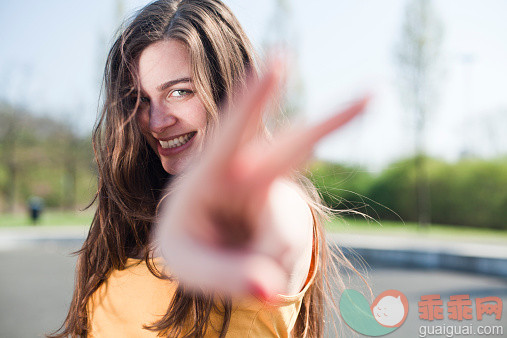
176, 142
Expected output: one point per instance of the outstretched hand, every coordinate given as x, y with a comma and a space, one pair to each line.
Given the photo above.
216, 229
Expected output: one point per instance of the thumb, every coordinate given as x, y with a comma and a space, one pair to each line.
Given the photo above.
265, 278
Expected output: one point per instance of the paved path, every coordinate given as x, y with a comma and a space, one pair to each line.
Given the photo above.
421, 251
16, 237
421, 242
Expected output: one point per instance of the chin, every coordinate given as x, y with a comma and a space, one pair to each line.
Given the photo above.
170, 168
174, 167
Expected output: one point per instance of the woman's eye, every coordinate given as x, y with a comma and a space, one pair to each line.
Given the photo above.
179, 93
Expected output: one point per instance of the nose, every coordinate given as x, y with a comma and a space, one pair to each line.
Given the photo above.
160, 118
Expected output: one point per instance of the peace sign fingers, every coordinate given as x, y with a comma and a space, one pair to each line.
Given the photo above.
243, 117
294, 146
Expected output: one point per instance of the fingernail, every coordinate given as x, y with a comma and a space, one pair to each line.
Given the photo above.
258, 291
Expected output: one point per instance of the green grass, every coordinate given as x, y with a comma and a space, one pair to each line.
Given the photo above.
437, 231
48, 218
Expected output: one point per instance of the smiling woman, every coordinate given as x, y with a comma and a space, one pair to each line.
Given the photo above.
171, 116
202, 227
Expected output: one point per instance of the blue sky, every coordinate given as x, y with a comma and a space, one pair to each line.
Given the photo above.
53, 52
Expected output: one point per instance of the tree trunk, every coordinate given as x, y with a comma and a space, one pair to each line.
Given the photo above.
423, 207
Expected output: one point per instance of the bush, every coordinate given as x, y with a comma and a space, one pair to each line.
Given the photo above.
466, 193
471, 193
342, 187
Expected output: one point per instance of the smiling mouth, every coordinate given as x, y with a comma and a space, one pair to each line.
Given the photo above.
177, 141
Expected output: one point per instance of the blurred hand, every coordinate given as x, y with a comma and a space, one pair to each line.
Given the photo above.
226, 225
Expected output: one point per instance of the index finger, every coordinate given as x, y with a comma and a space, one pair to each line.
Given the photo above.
244, 117
293, 148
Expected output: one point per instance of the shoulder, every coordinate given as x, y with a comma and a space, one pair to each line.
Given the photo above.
127, 300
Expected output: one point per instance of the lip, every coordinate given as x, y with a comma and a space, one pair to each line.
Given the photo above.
175, 150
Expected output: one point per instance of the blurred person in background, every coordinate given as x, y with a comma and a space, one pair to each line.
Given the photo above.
203, 227
35, 208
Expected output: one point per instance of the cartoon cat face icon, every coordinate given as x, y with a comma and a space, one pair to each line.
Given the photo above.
390, 309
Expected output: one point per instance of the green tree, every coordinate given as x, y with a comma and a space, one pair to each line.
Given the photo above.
9, 128
419, 71
44, 157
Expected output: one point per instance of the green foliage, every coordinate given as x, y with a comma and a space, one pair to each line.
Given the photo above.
467, 193
342, 187
471, 193
40, 156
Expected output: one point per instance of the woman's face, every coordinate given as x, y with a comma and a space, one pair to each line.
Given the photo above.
171, 115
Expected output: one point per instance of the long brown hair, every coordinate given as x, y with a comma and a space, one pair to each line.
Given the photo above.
131, 177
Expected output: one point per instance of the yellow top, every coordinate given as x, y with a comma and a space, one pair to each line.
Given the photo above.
134, 297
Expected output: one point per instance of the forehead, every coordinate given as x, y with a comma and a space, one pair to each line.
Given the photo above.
163, 61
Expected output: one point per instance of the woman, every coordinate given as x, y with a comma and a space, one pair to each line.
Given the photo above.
239, 247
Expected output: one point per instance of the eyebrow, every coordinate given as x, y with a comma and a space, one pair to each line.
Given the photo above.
171, 83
